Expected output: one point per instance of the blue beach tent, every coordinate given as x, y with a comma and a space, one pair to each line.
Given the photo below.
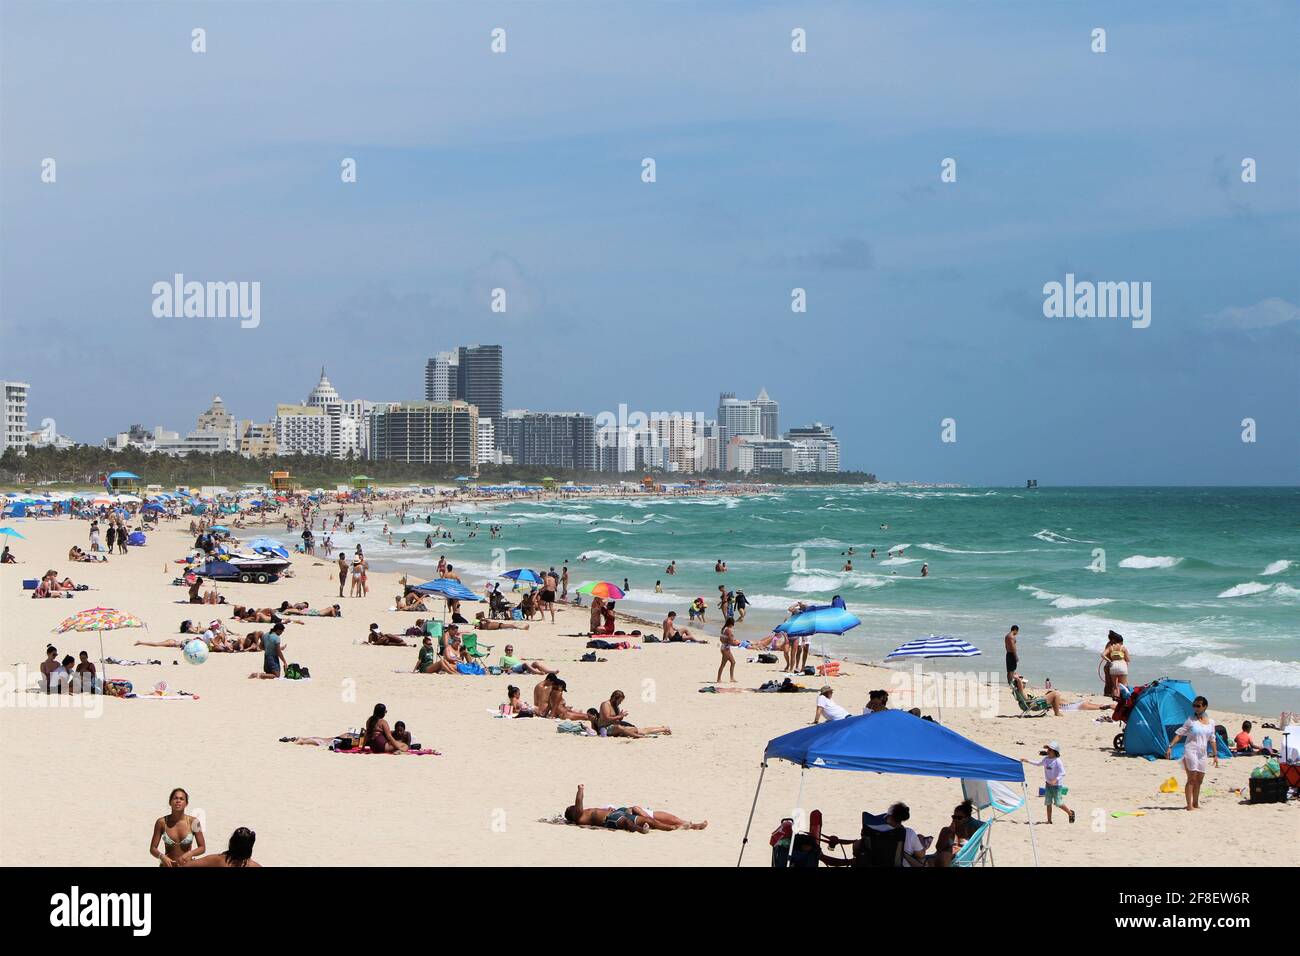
1161, 708
889, 741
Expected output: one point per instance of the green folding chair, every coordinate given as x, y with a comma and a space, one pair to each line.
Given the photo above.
473, 649
1038, 707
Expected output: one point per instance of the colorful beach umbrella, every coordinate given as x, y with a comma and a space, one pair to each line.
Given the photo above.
99, 619
602, 589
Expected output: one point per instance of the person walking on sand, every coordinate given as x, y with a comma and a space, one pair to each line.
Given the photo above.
728, 640
1013, 659
1198, 733
343, 572
1054, 789
564, 582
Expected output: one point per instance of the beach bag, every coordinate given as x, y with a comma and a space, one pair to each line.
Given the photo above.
1270, 769
296, 671
767, 658
117, 687
476, 669
516, 614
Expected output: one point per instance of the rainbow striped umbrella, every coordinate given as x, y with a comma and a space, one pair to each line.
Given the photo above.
602, 589
99, 619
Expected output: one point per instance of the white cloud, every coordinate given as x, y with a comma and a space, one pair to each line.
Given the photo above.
1261, 315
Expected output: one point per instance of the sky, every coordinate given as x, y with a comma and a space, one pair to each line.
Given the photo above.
775, 170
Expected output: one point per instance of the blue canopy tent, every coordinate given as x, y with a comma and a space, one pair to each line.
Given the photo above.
1161, 708
889, 741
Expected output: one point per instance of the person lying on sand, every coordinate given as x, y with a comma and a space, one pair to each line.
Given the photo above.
76, 554
513, 665
239, 852
637, 819
482, 623
1058, 701
252, 615
385, 640
305, 611
611, 720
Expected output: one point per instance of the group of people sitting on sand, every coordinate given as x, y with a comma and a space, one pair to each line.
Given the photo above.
607, 720
886, 840
51, 586
377, 735
76, 554
67, 675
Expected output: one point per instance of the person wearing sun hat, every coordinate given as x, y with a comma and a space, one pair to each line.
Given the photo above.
1054, 788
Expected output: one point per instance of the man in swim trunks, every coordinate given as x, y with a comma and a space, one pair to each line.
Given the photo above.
674, 634
637, 819
549, 584
272, 654
1013, 660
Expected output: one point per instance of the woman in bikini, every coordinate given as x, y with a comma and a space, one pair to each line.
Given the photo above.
379, 736
728, 640
181, 835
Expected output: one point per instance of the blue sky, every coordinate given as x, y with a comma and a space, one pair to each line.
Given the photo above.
775, 170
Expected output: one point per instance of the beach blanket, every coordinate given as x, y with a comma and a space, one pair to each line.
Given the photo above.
122, 662
611, 645
180, 696
425, 752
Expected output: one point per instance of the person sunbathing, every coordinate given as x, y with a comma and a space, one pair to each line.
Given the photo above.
76, 554
611, 720
52, 582
251, 615
299, 607
1058, 702
303, 611
515, 703
385, 640
513, 665
410, 602
954, 835
548, 700
634, 818
673, 634
482, 623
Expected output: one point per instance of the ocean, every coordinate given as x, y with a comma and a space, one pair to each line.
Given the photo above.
1204, 583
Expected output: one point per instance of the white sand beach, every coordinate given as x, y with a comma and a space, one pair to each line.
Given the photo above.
84, 786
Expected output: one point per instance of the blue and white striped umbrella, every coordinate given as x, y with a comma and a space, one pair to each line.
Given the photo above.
935, 646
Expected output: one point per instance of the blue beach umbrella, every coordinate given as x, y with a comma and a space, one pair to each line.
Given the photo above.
524, 575
447, 588
823, 620
12, 533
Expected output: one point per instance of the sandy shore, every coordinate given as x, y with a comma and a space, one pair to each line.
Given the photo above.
104, 775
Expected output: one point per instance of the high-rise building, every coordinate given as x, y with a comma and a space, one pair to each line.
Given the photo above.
440, 377
487, 443
767, 415
258, 440
15, 412
738, 416
425, 432
479, 378
817, 448
302, 430
551, 439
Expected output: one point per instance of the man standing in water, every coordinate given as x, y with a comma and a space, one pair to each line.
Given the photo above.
1013, 659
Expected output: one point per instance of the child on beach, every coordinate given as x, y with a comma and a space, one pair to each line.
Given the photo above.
1054, 790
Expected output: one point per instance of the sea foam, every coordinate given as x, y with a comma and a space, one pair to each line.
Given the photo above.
1144, 561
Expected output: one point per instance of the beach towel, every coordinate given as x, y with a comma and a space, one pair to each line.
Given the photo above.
121, 662
610, 645
179, 696
573, 727
476, 669
426, 752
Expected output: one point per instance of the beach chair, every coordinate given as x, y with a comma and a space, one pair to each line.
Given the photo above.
884, 847
470, 643
992, 795
1037, 707
976, 852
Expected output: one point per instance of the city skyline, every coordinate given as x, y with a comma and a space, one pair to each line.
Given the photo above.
924, 294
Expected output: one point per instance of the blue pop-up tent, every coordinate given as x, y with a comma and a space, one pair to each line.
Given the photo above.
1161, 708
890, 741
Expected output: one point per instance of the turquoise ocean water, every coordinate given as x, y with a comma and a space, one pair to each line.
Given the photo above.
1203, 583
